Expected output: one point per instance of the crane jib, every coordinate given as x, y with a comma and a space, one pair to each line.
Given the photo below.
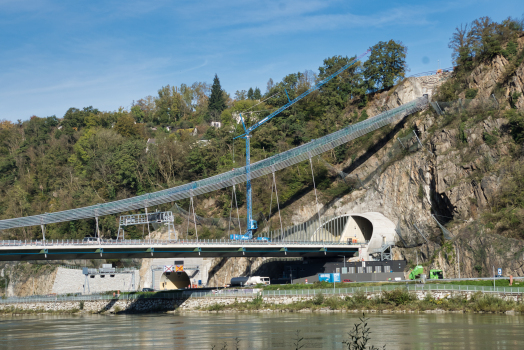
304, 94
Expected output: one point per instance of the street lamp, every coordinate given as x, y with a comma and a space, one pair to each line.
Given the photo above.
344, 260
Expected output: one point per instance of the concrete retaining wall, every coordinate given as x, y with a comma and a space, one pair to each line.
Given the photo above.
152, 305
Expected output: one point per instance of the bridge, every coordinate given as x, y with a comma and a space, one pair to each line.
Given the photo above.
124, 249
328, 238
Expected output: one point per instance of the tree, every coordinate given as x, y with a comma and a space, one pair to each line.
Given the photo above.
257, 95
347, 84
217, 102
460, 43
270, 85
250, 93
168, 104
240, 95
386, 65
125, 126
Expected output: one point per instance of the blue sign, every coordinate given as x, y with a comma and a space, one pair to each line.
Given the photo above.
499, 272
329, 277
324, 277
336, 277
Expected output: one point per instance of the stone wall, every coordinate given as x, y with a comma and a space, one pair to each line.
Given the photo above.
193, 304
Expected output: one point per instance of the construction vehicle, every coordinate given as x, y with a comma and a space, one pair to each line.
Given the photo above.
436, 275
418, 271
252, 224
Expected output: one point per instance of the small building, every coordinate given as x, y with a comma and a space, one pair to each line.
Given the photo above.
190, 131
216, 124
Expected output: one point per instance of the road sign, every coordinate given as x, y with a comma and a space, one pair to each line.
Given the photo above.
168, 268
179, 268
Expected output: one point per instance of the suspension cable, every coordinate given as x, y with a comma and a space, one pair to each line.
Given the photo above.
236, 205
315, 187
278, 206
230, 211
270, 206
194, 218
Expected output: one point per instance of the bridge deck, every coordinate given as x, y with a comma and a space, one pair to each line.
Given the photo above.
73, 249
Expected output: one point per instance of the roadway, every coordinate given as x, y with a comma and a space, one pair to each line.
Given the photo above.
78, 249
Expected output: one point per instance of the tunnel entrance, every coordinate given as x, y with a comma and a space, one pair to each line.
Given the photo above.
174, 280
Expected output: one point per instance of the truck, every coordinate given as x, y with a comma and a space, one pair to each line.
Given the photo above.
249, 281
418, 271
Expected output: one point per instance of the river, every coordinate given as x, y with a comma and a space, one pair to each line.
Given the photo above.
258, 331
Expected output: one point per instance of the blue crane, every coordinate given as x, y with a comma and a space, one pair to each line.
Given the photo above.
252, 224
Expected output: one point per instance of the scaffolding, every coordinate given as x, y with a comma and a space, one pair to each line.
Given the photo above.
159, 218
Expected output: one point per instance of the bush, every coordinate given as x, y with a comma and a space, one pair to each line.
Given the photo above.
490, 139
398, 297
471, 93
216, 307
318, 299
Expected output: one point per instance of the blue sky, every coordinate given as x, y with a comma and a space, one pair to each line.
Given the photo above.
60, 54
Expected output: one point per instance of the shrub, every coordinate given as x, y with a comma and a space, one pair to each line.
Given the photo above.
216, 307
397, 297
318, 299
359, 336
490, 139
471, 93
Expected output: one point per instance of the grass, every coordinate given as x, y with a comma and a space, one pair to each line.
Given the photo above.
394, 300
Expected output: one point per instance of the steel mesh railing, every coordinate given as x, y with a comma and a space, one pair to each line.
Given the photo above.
268, 293
236, 176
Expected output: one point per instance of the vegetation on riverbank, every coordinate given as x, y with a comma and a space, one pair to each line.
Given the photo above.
395, 300
326, 285
11, 310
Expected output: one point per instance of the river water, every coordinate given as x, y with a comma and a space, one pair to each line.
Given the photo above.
258, 331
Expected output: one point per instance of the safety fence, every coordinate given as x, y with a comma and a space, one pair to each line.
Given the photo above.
228, 179
235, 293
156, 242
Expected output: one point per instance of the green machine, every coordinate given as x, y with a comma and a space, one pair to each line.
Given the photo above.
419, 270
436, 275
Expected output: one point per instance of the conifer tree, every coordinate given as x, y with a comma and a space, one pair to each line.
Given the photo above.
257, 95
217, 102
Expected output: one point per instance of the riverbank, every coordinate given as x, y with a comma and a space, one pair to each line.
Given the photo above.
396, 300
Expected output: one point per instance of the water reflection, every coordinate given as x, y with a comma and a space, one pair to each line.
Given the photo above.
258, 331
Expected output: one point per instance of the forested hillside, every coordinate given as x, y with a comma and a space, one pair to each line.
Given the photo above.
89, 156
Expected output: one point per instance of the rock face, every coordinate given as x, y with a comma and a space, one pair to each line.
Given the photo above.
487, 75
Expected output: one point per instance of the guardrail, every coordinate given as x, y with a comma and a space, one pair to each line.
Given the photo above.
268, 293
147, 242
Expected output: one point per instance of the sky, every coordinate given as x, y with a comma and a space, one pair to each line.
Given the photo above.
60, 54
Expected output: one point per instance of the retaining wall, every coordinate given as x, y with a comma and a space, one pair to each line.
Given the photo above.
188, 304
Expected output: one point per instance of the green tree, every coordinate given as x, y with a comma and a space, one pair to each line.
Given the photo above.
125, 126
250, 93
169, 105
460, 43
386, 65
257, 95
217, 103
344, 86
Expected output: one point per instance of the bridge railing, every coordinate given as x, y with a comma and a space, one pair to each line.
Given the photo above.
224, 293
147, 242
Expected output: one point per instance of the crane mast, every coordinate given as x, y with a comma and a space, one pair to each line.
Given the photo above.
252, 224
